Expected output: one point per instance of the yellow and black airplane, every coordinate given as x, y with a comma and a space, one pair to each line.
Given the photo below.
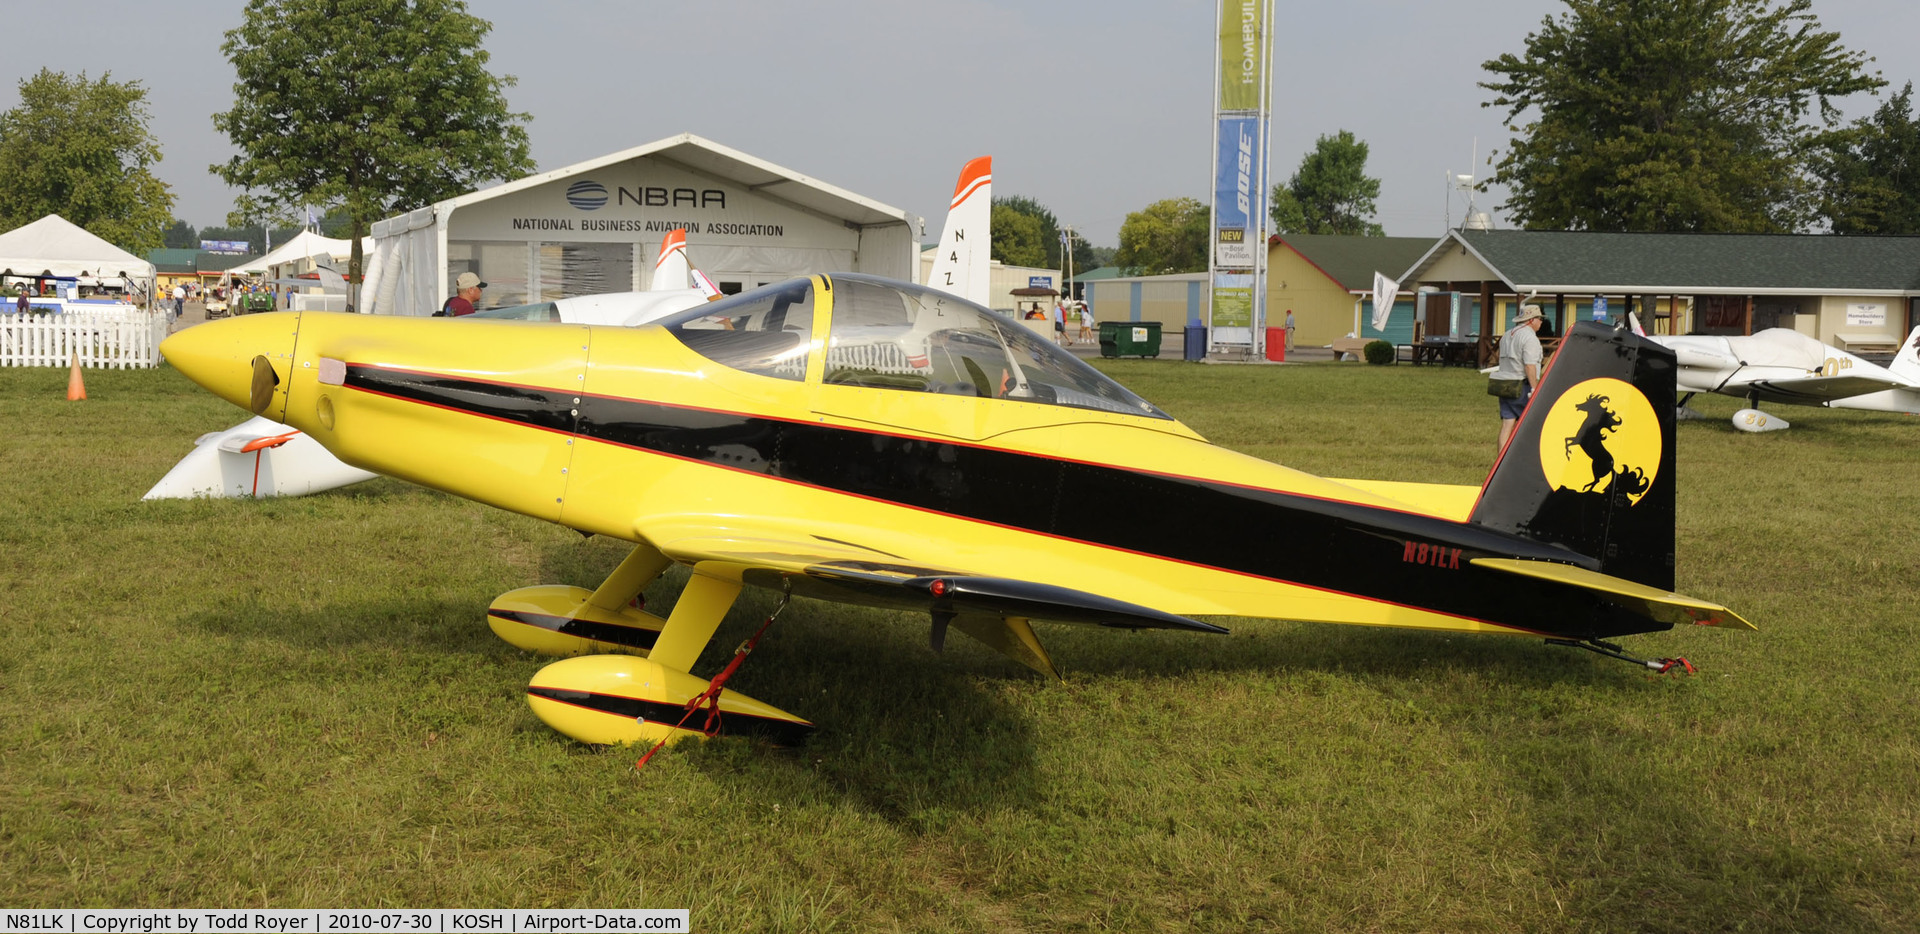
857, 439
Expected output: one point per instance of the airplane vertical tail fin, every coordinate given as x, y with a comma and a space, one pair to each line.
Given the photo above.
961, 264
1591, 464
671, 270
1906, 363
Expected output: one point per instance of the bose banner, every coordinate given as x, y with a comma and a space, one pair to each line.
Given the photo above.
1237, 199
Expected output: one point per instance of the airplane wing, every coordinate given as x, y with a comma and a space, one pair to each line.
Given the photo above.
833, 571
1817, 390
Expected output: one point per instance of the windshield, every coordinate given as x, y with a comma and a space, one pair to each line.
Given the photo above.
765, 331
894, 335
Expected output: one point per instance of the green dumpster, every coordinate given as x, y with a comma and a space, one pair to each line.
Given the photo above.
1129, 338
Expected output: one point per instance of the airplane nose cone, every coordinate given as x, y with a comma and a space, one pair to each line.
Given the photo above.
243, 360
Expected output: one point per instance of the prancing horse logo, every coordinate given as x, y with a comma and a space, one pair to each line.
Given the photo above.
1602, 435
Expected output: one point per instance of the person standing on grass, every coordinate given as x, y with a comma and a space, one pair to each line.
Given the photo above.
1289, 332
1519, 359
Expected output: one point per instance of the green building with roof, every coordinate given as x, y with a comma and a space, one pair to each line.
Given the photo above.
1858, 293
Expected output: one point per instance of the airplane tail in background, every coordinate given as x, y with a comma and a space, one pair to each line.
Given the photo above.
672, 269
961, 264
1906, 363
1591, 464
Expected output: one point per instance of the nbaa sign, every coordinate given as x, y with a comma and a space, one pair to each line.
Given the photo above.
589, 195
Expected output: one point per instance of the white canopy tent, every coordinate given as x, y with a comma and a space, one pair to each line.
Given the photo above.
296, 252
290, 261
55, 247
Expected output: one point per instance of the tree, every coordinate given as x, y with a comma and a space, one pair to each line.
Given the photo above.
180, 235
1164, 237
1671, 115
1330, 193
1019, 239
1871, 180
373, 107
1049, 231
81, 149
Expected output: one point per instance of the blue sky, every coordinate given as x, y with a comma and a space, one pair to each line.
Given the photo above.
1093, 107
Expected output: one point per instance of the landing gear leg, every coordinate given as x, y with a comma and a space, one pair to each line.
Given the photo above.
1610, 650
701, 607
616, 699
555, 619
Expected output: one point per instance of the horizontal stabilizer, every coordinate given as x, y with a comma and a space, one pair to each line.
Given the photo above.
1445, 500
1670, 608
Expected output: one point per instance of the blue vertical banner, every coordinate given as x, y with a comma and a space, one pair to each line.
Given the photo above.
1237, 198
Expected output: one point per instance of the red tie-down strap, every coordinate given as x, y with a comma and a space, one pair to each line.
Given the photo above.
710, 697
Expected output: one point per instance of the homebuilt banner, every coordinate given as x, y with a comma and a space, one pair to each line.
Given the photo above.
1243, 55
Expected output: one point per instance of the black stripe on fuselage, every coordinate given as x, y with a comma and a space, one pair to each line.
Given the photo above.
550, 409
611, 633
732, 723
1384, 555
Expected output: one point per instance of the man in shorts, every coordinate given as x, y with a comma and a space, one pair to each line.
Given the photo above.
1519, 359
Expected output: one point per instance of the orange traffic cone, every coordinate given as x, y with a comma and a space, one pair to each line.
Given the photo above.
76, 387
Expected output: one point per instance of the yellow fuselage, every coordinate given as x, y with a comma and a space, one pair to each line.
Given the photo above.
628, 433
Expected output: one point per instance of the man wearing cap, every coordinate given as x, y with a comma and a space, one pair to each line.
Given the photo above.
466, 291
1519, 359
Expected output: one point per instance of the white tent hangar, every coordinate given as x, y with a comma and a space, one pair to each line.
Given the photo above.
296, 255
55, 247
597, 226
293, 259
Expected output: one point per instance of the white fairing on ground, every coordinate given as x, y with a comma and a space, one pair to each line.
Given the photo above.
1756, 421
221, 465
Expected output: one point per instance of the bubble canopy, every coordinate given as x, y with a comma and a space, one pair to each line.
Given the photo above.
898, 336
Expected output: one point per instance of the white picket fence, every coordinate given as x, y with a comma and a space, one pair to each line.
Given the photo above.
115, 339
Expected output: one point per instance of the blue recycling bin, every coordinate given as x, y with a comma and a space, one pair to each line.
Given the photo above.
1194, 346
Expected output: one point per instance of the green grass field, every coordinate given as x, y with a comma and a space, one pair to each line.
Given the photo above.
297, 703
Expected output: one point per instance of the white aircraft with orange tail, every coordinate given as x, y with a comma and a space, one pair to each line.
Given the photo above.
961, 265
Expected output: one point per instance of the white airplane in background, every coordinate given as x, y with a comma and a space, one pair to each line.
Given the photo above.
1785, 366
667, 295
261, 457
